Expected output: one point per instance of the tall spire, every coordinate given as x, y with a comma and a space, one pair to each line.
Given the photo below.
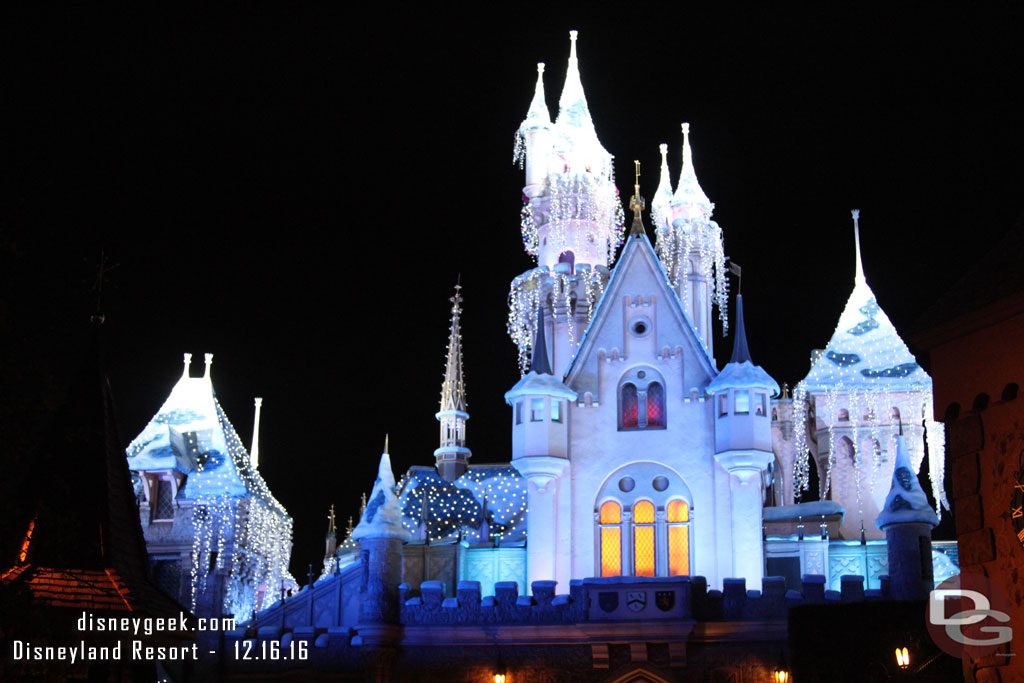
859, 277
538, 114
636, 205
539, 362
688, 190
740, 351
663, 195
254, 451
453, 390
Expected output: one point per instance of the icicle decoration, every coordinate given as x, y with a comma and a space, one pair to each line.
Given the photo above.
566, 292
801, 456
683, 239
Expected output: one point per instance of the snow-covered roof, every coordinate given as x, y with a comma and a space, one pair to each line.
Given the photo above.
906, 501
382, 517
740, 372
575, 135
865, 352
191, 434
688, 190
534, 384
538, 115
808, 510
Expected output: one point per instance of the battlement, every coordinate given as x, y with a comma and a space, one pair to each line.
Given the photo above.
632, 598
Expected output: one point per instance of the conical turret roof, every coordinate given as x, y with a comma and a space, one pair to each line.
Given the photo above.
740, 372
453, 389
688, 190
906, 501
382, 517
538, 115
865, 351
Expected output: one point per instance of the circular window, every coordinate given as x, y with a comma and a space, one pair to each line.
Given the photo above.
660, 483
641, 374
627, 484
640, 327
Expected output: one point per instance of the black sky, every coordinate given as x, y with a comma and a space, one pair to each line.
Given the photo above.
297, 191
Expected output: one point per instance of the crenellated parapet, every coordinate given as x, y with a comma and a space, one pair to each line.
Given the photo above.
622, 598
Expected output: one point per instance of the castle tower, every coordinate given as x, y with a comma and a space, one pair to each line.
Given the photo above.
452, 456
862, 389
690, 244
907, 520
743, 446
380, 534
540, 451
572, 220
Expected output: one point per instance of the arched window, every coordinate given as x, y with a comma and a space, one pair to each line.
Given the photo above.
630, 406
895, 414
844, 415
643, 539
610, 521
642, 518
568, 257
642, 400
678, 518
655, 405
845, 450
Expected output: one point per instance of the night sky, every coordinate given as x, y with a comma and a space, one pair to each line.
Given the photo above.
298, 191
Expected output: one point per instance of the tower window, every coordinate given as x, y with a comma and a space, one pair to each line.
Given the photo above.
723, 405
610, 520
642, 400
630, 406
678, 517
568, 257
164, 508
536, 410
742, 401
519, 412
643, 539
655, 405
556, 410
762, 405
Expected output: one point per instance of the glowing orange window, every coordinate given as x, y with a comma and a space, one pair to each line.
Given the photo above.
611, 539
643, 539
678, 514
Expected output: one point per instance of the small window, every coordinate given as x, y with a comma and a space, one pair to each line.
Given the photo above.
556, 411
164, 508
519, 412
742, 402
611, 539
630, 409
536, 410
723, 405
844, 415
655, 405
762, 405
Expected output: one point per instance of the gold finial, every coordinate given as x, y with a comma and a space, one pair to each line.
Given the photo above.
362, 505
349, 530
636, 205
385, 442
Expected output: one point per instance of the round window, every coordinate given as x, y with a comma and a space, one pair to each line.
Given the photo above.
660, 483
627, 484
640, 327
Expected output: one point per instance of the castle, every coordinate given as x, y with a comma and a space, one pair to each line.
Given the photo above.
636, 461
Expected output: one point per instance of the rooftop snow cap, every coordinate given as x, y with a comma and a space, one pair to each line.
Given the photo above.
740, 372
906, 501
383, 515
537, 116
688, 190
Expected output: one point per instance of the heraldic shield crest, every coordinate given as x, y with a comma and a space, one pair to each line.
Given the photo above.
608, 600
636, 600
665, 600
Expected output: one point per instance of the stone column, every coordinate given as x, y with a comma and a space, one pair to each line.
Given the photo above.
543, 474
746, 493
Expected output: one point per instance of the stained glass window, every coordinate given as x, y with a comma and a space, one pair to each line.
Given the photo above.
643, 539
678, 514
630, 409
655, 405
611, 539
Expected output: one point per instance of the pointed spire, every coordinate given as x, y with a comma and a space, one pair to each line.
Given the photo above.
331, 533
254, 452
859, 277
572, 104
636, 205
453, 389
740, 351
906, 501
209, 362
663, 195
688, 190
539, 362
188, 364
382, 517
538, 114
